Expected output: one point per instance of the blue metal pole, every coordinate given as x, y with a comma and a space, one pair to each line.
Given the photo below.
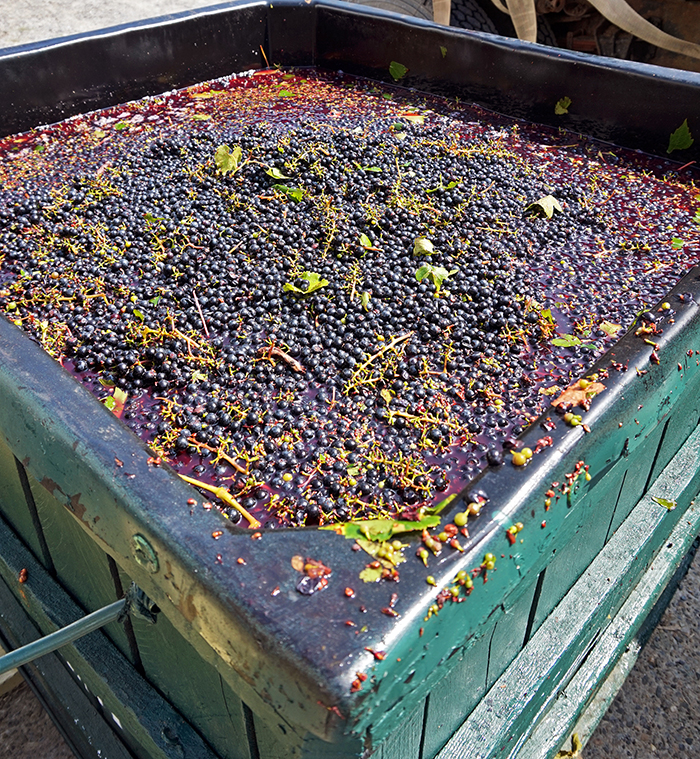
61, 637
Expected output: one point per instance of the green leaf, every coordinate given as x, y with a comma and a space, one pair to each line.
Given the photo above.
151, 219
546, 314
316, 282
443, 51
386, 395
365, 242
109, 402
443, 504
374, 169
562, 106
371, 574
296, 193
670, 505
397, 70
381, 529
120, 395
275, 173
121, 125
437, 274
138, 314
227, 160
681, 139
39, 148
285, 94
201, 117
696, 218
677, 243
548, 204
155, 301
99, 133
423, 247
106, 382
364, 299
610, 329
566, 341
198, 376
373, 548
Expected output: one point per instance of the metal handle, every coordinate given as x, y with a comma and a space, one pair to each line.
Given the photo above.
134, 601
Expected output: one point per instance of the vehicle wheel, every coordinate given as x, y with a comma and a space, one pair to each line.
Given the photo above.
468, 14
416, 8
494, 21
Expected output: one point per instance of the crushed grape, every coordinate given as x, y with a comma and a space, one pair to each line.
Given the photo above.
334, 298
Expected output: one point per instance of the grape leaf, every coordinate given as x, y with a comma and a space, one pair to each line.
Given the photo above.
371, 574
227, 160
373, 548
374, 169
670, 505
397, 70
201, 117
578, 396
365, 242
275, 173
381, 529
437, 274
681, 139
443, 50
120, 397
566, 341
414, 118
548, 204
677, 243
296, 193
285, 94
562, 106
121, 125
316, 282
423, 247
364, 299
609, 328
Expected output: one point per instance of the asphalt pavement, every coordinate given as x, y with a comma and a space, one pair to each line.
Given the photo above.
656, 714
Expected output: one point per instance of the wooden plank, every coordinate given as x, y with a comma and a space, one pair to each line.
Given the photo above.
505, 715
405, 741
616, 646
122, 703
13, 503
76, 716
508, 636
684, 418
639, 465
78, 560
193, 686
454, 697
594, 516
276, 740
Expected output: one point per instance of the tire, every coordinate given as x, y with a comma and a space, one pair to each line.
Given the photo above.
476, 15
468, 14
483, 16
415, 8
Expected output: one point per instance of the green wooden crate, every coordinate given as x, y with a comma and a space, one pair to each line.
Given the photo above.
233, 669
